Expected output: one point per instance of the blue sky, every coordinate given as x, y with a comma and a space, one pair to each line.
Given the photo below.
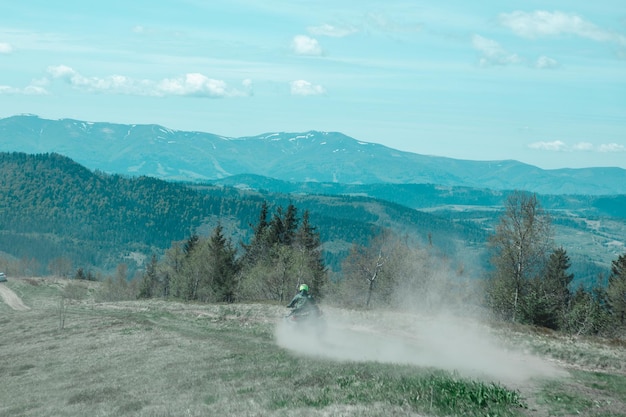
540, 82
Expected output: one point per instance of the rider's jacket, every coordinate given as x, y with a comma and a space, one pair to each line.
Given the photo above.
302, 302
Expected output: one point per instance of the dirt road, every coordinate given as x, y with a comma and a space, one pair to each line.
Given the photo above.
12, 299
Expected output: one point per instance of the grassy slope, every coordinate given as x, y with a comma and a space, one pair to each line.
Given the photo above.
155, 358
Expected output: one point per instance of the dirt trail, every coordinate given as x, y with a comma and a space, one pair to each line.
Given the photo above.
12, 299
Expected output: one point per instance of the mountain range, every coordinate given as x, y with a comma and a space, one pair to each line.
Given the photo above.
320, 157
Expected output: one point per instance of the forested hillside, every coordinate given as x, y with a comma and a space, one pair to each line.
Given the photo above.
53, 207
56, 212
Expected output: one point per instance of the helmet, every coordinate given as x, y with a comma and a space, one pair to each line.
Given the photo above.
304, 287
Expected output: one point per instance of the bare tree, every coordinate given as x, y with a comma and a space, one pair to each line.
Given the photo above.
365, 270
60, 266
281, 278
371, 273
72, 292
520, 243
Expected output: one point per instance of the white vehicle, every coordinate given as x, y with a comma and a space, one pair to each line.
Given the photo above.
3, 277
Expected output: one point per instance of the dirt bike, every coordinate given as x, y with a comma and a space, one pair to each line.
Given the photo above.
311, 320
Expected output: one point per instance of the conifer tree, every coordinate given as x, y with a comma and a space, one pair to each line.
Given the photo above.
276, 230
172, 265
224, 266
557, 280
257, 249
588, 312
149, 282
547, 295
616, 291
290, 225
307, 241
191, 244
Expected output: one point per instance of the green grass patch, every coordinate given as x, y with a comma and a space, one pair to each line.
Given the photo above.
433, 392
560, 401
597, 394
611, 384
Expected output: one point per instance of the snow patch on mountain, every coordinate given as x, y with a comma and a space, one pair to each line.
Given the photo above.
136, 168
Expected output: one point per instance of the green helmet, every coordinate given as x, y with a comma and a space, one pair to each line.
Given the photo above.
304, 287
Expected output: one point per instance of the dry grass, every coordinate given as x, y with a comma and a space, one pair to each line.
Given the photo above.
157, 358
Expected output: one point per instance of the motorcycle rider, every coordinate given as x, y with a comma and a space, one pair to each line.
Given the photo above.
303, 303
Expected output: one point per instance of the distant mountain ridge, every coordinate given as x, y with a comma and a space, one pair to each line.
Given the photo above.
331, 157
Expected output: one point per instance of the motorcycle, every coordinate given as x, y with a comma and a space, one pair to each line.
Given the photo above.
310, 321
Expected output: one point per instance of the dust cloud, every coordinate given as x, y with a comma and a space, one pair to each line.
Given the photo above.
437, 322
445, 342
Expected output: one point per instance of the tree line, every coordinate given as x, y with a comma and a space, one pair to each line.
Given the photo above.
528, 283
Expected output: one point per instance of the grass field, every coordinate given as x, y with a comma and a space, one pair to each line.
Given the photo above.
158, 358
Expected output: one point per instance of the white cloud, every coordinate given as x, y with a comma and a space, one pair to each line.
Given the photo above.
556, 145
191, 84
543, 23
560, 146
332, 31
492, 53
248, 86
544, 62
583, 146
31, 90
612, 147
304, 45
5, 48
112, 83
305, 88
62, 71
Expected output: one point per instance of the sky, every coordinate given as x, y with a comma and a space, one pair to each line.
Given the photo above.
541, 82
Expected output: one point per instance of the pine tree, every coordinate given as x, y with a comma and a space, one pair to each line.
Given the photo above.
307, 241
290, 225
588, 312
257, 249
191, 244
548, 295
556, 287
276, 229
149, 282
616, 291
224, 266
172, 265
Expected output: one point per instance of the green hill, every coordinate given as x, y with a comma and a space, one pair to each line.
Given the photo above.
52, 208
